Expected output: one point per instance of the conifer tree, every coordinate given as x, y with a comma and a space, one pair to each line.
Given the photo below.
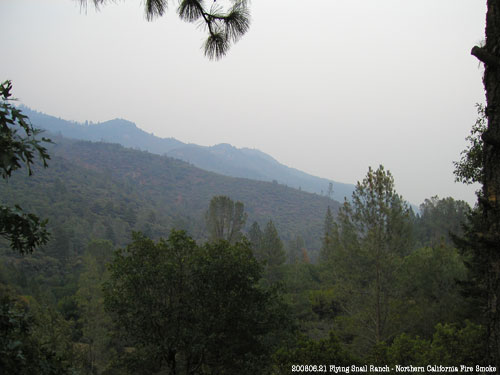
225, 219
272, 253
255, 238
373, 235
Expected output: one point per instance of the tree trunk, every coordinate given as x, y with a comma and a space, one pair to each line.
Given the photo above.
378, 297
489, 201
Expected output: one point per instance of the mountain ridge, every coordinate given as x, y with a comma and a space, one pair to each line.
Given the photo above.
221, 158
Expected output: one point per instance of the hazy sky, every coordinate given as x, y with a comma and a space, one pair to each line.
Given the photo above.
327, 86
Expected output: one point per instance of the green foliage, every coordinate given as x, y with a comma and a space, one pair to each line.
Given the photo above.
19, 143
429, 289
470, 167
451, 345
440, 220
299, 281
296, 251
24, 231
225, 219
96, 325
324, 304
189, 308
255, 237
26, 347
51, 330
19, 146
271, 253
306, 351
371, 238
329, 240
478, 252
91, 184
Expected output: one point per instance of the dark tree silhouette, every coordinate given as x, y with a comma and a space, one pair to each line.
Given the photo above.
485, 234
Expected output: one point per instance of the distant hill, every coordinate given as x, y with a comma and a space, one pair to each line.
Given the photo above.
222, 158
103, 190
118, 131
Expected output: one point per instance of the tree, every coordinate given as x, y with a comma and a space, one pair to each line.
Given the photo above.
328, 240
439, 220
329, 192
297, 251
255, 237
23, 349
19, 146
320, 353
429, 289
469, 169
450, 345
225, 219
373, 236
224, 27
271, 253
89, 296
191, 309
487, 249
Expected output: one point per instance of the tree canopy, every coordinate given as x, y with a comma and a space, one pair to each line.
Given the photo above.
190, 308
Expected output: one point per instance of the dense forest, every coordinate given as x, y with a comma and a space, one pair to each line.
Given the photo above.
147, 265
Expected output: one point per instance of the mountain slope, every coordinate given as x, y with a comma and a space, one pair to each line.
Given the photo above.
223, 158
93, 189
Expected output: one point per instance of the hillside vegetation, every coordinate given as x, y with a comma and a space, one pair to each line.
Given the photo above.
106, 190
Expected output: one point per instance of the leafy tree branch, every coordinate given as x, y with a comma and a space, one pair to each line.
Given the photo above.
19, 146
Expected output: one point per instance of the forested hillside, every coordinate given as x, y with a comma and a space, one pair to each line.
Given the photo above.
102, 190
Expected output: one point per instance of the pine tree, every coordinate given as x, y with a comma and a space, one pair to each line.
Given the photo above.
272, 252
374, 232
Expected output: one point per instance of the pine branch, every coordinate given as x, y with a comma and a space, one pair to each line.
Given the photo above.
222, 27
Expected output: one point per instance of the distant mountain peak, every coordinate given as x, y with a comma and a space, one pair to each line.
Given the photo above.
221, 158
224, 146
120, 123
